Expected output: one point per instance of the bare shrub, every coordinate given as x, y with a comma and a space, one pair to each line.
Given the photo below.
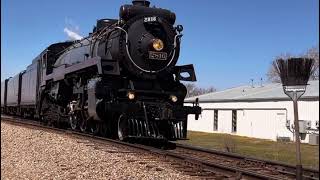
229, 144
193, 90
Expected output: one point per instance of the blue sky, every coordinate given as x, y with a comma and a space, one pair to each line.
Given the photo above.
228, 41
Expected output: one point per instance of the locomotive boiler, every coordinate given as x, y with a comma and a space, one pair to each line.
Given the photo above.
121, 81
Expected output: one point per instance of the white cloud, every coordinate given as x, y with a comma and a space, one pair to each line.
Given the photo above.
71, 34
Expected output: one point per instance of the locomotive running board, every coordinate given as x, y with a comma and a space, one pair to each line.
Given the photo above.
104, 67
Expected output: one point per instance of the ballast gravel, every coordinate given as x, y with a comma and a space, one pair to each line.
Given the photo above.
28, 153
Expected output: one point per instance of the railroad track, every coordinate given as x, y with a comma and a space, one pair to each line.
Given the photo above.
258, 165
194, 161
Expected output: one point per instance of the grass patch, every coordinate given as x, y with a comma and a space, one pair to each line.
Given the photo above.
266, 149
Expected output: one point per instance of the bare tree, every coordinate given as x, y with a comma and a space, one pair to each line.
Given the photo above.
310, 53
272, 74
313, 53
193, 90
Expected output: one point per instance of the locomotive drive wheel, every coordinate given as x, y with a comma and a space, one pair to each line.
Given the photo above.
45, 111
83, 121
123, 128
73, 121
94, 127
43, 120
104, 130
83, 125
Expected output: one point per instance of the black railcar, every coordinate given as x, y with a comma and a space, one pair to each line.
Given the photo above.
120, 81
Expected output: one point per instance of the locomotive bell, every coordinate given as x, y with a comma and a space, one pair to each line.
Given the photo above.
179, 28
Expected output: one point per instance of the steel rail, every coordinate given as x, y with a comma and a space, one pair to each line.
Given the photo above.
282, 167
208, 165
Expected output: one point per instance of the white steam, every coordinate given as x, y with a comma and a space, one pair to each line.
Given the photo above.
71, 34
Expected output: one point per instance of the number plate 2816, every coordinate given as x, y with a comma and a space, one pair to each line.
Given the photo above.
157, 55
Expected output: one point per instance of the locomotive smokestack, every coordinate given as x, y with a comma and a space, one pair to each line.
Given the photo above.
141, 3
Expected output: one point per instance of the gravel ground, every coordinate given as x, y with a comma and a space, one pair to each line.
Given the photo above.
37, 154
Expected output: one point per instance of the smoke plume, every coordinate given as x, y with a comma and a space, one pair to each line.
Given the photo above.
71, 34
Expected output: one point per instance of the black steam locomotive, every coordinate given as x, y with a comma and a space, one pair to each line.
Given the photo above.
121, 81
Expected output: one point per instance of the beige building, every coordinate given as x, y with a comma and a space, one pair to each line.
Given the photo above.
260, 112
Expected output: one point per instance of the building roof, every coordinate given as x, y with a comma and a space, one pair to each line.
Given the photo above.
267, 92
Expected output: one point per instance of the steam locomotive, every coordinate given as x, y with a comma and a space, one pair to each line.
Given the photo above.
121, 81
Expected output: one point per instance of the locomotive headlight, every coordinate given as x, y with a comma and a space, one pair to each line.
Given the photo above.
157, 44
173, 98
131, 95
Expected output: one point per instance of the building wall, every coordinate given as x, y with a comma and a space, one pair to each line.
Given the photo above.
265, 120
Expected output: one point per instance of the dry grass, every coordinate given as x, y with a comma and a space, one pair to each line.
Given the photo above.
279, 151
